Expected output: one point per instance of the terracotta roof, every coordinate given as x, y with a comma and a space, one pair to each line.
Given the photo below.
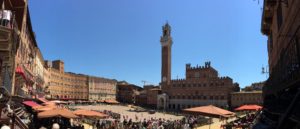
102, 101
248, 107
112, 101
44, 108
210, 110
89, 113
49, 103
62, 112
58, 102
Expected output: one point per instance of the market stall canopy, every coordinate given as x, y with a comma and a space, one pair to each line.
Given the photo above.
59, 102
112, 101
42, 100
101, 101
49, 103
58, 112
31, 103
44, 108
248, 107
89, 113
209, 110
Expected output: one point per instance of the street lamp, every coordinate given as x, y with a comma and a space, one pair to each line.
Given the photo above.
264, 70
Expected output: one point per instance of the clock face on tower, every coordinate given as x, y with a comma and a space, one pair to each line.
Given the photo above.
164, 79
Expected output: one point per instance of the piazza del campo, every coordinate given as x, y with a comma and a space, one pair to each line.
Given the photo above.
41, 90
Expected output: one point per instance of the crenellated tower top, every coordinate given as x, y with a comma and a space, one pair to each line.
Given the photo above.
166, 39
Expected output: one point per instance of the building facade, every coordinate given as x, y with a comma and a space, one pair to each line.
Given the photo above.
102, 88
21, 61
257, 86
141, 98
47, 81
147, 97
126, 93
71, 86
281, 24
39, 85
202, 85
249, 97
152, 97
66, 85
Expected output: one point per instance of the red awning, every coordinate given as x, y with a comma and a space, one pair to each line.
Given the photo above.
31, 103
26, 74
19, 70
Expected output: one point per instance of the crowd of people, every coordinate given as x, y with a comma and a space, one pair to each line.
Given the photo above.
114, 121
244, 122
112, 114
119, 121
187, 122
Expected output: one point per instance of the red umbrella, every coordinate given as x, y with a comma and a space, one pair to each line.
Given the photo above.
248, 107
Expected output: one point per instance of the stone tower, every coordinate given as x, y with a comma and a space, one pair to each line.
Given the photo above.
166, 43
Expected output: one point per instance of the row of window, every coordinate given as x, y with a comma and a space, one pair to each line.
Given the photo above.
199, 84
66, 92
202, 97
67, 85
66, 79
68, 96
183, 106
102, 94
102, 89
102, 82
250, 99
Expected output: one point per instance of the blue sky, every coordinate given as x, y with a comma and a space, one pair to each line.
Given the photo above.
120, 38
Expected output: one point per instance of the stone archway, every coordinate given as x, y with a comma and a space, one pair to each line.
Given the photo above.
162, 101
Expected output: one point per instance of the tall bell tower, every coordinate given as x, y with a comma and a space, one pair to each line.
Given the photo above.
166, 44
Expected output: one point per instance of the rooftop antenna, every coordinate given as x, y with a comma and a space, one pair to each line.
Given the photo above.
144, 82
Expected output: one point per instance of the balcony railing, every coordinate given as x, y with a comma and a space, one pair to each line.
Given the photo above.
9, 32
287, 70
